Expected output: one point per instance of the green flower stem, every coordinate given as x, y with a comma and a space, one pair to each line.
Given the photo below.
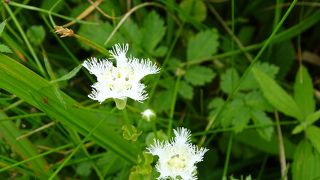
173, 104
226, 164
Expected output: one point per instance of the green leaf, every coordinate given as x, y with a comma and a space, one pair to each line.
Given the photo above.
2, 25
313, 134
260, 119
36, 35
5, 49
153, 31
280, 99
185, 90
256, 100
203, 45
30, 87
250, 83
98, 34
195, 9
69, 75
131, 31
310, 119
241, 118
199, 75
229, 80
306, 163
303, 92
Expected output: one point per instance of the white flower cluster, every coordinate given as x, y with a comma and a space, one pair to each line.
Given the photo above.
177, 158
121, 81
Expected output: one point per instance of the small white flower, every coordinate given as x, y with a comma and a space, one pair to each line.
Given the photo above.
148, 115
121, 81
177, 157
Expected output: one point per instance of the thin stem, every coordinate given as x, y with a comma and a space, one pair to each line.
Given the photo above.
226, 164
173, 104
282, 154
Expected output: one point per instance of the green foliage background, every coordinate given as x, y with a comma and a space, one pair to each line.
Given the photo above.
243, 77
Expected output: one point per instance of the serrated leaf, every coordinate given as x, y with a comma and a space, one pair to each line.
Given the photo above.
185, 90
229, 80
203, 45
131, 31
241, 119
280, 99
69, 75
5, 49
195, 9
306, 163
36, 35
260, 119
2, 25
199, 75
303, 91
153, 31
255, 100
230, 112
313, 134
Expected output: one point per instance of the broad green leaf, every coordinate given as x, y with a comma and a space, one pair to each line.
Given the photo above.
2, 25
230, 112
303, 92
310, 119
229, 80
185, 90
260, 118
5, 49
36, 35
203, 45
306, 163
313, 134
195, 9
9, 132
69, 75
199, 75
280, 99
153, 31
40, 93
